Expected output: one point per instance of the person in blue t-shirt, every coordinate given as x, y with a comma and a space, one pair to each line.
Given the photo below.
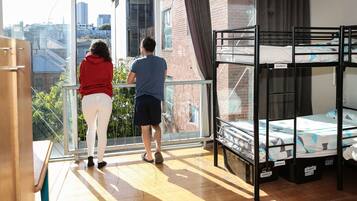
149, 75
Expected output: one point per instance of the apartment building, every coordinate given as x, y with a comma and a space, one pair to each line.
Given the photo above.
177, 49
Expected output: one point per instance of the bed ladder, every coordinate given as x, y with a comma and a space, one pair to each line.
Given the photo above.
268, 120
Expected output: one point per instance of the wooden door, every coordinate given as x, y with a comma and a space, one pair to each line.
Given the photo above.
16, 169
24, 114
7, 123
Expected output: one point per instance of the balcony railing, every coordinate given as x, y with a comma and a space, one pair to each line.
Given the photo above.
185, 116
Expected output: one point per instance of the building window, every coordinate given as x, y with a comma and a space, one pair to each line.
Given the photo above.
140, 24
166, 29
193, 114
38, 83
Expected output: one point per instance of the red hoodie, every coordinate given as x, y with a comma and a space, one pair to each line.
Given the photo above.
96, 76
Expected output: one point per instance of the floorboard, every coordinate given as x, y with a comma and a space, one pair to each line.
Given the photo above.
187, 174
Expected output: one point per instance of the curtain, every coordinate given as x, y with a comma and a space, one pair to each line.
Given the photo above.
199, 21
282, 15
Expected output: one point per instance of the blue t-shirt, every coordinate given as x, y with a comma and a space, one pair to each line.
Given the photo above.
150, 76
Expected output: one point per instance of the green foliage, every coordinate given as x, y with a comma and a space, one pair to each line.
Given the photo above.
121, 122
105, 27
48, 111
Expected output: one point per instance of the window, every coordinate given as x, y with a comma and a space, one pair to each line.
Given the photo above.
193, 114
166, 29
93, 22
38, 83
47, 25
140, 24
169, 97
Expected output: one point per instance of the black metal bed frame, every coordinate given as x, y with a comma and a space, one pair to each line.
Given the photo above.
348, 32
298, 37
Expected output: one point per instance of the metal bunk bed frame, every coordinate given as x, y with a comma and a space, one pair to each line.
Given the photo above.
347, 32
295, 38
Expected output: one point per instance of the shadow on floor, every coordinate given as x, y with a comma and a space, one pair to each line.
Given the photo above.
200, 185
116, 187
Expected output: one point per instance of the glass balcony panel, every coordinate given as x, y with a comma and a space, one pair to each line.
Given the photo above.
184, 118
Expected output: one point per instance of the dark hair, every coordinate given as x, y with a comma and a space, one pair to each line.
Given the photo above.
100, 48
149, 44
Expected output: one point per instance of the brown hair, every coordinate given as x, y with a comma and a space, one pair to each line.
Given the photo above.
100, 48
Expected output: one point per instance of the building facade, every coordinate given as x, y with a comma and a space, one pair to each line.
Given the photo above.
82, 13
103, 19
234, 87
135, 19
174, 43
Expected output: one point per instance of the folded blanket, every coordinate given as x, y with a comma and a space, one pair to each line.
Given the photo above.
351, 152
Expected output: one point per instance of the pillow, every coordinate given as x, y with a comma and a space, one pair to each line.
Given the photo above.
348, 114
332, 114
336, 41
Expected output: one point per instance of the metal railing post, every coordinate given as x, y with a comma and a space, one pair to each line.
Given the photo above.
65, 123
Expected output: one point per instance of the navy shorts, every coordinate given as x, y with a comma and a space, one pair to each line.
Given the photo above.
147, 111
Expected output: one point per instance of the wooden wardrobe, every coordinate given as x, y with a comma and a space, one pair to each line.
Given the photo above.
16, 154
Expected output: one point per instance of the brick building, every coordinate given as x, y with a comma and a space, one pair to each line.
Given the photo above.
182, 65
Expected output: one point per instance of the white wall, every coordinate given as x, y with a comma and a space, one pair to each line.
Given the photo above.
332, 13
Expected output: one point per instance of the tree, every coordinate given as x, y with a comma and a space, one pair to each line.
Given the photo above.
105, 27
121, 122
48, 111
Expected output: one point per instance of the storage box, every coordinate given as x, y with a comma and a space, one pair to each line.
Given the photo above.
329, 162
305, 170
245, 171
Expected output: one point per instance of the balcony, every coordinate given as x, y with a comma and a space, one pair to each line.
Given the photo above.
184, 121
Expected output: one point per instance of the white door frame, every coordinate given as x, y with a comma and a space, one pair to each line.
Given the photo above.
1, 19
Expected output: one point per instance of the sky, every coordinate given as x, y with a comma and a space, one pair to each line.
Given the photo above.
55, 11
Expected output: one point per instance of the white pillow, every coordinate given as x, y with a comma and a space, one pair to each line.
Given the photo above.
348, 114
332, 114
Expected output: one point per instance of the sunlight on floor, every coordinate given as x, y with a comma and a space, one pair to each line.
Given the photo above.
187, 174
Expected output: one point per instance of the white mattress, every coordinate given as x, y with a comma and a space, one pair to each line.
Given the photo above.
316, 137
279, 55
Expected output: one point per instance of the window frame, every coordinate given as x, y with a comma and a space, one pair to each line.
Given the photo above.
163, 24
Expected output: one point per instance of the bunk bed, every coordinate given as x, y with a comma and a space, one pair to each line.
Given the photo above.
278, 142
346, 153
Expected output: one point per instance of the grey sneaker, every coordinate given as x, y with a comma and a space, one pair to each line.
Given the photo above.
158, 158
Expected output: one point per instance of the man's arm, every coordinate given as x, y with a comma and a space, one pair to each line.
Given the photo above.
131, 78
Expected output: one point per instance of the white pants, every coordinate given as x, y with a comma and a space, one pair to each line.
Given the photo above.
97, 109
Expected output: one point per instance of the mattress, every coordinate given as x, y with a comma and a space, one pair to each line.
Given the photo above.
316, 137
280, 55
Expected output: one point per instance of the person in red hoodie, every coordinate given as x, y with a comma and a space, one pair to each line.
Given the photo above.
96, 90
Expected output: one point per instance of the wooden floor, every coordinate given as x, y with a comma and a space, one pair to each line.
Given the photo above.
187, 174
